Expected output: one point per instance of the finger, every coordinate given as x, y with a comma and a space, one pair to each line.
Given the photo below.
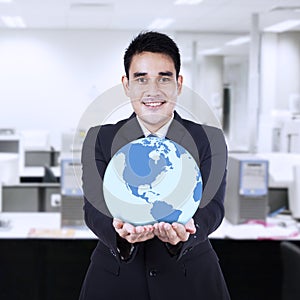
148, 235
140, 229
129, 228
145, 237
162, 232
170, 233
138, 233
161, 228
190, 226
134, 238
126, 230
158, 230
182, 234
155, 229
149, 228
167, 234
118, 224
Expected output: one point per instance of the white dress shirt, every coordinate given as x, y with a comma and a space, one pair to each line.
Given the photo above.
161, 132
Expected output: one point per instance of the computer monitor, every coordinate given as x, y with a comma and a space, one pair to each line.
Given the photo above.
277, 200
71, 177
71, 193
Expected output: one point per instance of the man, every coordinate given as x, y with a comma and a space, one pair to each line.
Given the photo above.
160, 261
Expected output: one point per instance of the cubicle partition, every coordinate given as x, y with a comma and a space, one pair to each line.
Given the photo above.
31, 197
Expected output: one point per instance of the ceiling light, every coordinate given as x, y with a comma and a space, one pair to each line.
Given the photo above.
286, 8
239, 41
187, 2
103, 6
161, 23
13, 22
283, 26
210, 51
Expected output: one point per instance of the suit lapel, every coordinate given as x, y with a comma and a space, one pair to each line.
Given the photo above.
179, 134
128, 132
176, 130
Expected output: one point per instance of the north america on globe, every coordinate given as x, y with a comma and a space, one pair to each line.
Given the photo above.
152, 180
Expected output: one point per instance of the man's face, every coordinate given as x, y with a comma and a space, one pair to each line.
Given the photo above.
152, 88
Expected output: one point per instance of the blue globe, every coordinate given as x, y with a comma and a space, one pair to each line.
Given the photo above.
152, 180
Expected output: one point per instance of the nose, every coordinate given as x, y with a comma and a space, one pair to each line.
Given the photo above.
152, 87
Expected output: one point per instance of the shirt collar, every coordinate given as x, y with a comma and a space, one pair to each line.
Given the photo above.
161, 132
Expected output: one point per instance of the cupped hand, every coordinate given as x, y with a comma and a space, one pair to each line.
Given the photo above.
175, 232
131, 233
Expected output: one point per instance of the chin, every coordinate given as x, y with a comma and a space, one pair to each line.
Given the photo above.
155, 119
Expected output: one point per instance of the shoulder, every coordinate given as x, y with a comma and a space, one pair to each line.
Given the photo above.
106, 130
203, 130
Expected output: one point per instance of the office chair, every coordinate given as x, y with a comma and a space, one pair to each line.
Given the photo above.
290, 257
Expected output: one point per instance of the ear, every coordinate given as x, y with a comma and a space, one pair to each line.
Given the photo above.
179, 84
125, 83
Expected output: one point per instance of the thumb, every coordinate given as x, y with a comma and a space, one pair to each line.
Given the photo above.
190, 226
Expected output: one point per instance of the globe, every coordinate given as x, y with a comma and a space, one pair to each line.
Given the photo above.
152, 180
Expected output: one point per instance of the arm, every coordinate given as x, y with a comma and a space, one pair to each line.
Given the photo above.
213, 156
116, 235
97, 216
213, 169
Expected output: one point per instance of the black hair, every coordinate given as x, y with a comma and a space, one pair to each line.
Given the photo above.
155, 42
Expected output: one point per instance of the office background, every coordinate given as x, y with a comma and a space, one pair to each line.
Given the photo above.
52, 69
57, 57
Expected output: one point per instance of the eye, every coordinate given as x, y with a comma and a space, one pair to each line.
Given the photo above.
164, 79
142, 80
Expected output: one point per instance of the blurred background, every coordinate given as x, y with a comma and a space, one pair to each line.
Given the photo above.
57, 56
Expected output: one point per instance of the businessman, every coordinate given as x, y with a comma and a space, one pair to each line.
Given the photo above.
160, 261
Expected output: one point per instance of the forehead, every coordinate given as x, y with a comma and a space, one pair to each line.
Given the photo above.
149, 62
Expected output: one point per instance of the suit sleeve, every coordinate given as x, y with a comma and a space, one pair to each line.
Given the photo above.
213, 169
96, 214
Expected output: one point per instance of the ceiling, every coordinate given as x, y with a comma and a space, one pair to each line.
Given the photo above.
222, 16
212, 23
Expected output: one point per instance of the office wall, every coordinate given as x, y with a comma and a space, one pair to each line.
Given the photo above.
49, 77
236, 78
280, 81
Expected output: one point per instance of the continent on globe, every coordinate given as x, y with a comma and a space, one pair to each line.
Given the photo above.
162, 211
151, 180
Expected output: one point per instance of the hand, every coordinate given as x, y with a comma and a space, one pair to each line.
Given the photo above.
175, 232
133, 234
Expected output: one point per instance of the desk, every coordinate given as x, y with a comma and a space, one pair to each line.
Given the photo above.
53, 267
280, 227
40, 226
48, 225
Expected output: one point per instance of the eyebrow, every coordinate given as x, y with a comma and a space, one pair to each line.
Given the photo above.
168, 73
139, 74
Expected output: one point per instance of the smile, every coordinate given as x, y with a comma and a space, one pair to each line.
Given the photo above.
153, 104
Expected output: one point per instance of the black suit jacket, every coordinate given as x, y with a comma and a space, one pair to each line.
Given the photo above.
153, 271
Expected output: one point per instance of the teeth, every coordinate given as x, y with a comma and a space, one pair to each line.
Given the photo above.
153, 104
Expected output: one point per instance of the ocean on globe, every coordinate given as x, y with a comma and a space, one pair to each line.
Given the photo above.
152, 180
